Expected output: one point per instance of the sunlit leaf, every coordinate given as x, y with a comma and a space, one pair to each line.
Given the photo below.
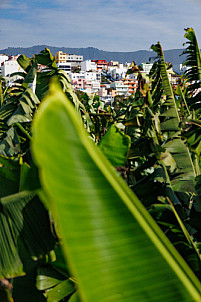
104, 226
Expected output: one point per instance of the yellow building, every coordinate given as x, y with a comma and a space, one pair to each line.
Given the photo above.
62, 57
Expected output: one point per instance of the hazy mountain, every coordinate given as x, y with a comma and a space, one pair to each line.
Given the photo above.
172, 55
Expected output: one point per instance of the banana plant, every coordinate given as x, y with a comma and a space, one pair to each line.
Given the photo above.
161, 169
113, 247
19, 176
23, 239
193, 71
158, 168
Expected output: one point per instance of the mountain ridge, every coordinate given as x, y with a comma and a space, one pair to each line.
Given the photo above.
138, 56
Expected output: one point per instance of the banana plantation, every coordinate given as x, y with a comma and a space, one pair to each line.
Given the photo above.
101, 203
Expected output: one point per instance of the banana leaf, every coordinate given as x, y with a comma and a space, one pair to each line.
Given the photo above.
24, 62
28, 102
184, 177
193, 59
56, 285
112, 245
45, 58
115, 146
20, 215
171, 119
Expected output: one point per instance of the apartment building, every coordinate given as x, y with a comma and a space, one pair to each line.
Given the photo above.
74, 60
132, 85
64, 66
118, 72
120, 87
86, 85
10, 67
101, 65
90, 76
88, 65
107, 94
103, 92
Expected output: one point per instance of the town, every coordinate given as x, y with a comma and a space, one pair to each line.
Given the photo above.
105, 79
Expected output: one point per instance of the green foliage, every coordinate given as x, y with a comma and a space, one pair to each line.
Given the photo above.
54, 283
96, 223
115, 146
91, 225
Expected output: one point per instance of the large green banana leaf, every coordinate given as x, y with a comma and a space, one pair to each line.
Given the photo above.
193, 72
193, 58
112, 245
170, 121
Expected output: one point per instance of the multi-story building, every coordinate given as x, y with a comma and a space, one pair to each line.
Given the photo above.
86, 85
62, 57
100, 64
118, 72
132, 85
88, 65
90, 76
8, 68
65, 66
120, 87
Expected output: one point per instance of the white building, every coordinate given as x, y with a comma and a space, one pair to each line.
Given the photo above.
120, 88
90, 76
64, 66
88, 65
10, 67
119, 72
75, 60
3, 58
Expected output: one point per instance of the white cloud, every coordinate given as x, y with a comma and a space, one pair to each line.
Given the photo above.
114, 25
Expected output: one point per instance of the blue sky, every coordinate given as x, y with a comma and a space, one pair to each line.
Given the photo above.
113, 25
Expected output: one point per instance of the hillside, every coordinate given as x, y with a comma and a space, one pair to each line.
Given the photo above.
172, 55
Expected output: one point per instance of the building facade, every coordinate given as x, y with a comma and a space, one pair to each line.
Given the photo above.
90, 76
88, 65
100, 65
132, 85
64, 66
120, 87
74, 60
10, 67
